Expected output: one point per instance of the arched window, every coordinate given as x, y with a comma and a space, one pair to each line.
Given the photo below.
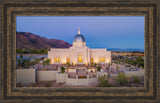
91, 60
80, 58
102, 59
68, 60
57, 59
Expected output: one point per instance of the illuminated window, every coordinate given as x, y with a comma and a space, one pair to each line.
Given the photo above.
56, 59
68, 61
102, 59
80, 58
91, 60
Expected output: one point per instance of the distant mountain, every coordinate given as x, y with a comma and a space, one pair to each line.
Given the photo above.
26, 40
127, 49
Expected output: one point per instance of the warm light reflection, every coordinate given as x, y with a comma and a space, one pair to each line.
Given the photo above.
68, 60
57, 59
102, 59
80, 58
91, 60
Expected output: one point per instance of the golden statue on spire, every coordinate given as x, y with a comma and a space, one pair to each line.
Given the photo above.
79, 30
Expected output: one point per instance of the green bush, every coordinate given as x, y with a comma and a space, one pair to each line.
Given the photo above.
136, 79
127, 65
60, 83
49, 83
62, 69
95, 64
99, 68
122, 79
68, 64
103, 82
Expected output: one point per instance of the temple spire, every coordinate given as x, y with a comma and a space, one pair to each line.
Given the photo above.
79, 30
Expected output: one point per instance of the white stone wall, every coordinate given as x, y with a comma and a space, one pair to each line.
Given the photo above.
62, 53
80, 81
96, 54
71, 70
25, 75
46, 75
93, 70
102, 74
73, 52
60, 78
136, 73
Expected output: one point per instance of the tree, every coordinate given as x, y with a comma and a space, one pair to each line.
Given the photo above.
21, 56
99, 68
122, 79
26, 64
109, 64
117, 68
103, 82
135, 63
107, 68
62, 69
46, 62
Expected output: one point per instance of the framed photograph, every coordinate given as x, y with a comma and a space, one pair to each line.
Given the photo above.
80, 51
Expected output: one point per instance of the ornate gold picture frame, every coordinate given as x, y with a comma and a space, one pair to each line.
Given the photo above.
9, 9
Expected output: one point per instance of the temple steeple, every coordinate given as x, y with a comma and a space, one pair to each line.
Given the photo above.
79, 31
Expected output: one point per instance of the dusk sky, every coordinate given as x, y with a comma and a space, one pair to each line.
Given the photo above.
99, 31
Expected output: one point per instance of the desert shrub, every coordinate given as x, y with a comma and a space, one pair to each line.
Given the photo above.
49, 83
99, 68
60, 83
122, 79
127, 65
108, 76
103, 82
62, 69
136, 79
68, 64
95, 64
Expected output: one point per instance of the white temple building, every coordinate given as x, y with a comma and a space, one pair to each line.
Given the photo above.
79, 53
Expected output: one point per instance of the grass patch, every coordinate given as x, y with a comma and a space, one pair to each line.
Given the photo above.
103, 82
122, 79
136, 79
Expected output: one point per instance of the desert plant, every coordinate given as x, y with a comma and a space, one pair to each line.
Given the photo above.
68, 64
46, 62
136, 79
109, 64
122, 79
26, 64
107, 68
49, 83
108, 76
60, 83
111, 69
103, 82
117, 68
62, 69
99, 68
95, 64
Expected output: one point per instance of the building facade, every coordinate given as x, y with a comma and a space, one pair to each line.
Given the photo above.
79, 53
